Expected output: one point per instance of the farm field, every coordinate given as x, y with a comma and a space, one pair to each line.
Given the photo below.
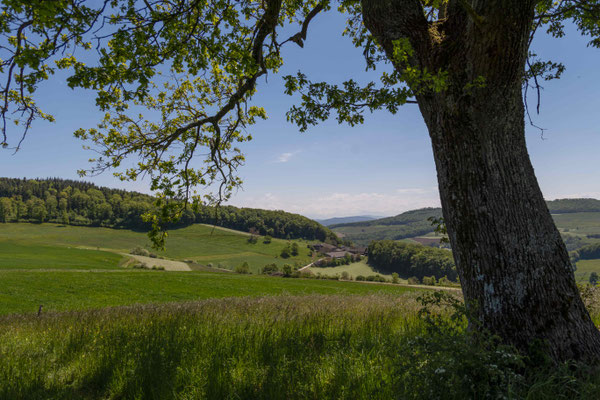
16, 254
201, 243
585, 268
23, 291
354, 269
582, 223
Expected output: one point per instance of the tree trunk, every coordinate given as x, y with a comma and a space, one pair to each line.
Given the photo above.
512, 262
513, 265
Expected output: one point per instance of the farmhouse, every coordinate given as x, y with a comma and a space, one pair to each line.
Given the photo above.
337, 254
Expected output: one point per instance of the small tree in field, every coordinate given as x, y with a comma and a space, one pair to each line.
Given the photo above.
294, 249
243, 269
594, 278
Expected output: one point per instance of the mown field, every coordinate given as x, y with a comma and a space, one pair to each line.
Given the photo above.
201, 243
353, 270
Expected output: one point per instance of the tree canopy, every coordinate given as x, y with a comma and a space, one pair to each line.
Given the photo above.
175, 79
85, 204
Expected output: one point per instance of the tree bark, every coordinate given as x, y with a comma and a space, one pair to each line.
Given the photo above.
513, 265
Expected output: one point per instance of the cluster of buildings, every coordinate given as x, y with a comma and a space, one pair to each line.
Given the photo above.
335, 252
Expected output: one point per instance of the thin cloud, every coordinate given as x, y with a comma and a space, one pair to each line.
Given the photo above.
285, 157
343, 204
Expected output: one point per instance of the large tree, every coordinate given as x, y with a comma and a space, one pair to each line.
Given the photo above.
194, 65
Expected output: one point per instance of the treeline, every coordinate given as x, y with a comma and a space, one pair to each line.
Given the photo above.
589, 252
564, 206
72, 202
410, 260
414, 217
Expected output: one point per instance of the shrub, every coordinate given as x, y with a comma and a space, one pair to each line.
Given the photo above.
429, 280
444, 281
152, 255
413, 280
138, 251
267, 239
594, 278
294, 249
270, 268
242, 269
395, 277
345, 275
285, 252
252, 239
360, 278
287, 270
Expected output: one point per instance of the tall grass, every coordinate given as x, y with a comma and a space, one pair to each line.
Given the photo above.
306, 347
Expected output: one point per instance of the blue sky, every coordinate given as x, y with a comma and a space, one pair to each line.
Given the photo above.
382, 167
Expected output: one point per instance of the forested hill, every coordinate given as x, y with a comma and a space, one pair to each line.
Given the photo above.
565, 206
415, 223
85, 204
559, 206
408, 217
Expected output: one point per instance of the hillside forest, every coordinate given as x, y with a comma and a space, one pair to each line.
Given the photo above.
78, 203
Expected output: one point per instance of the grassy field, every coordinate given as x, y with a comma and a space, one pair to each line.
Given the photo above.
23, 291
200, 243
19, 255
585, 268
584, 223
309, 347
354, 269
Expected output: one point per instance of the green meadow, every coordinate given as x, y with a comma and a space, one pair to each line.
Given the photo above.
278, 347
23, 291
111, 332
200, 243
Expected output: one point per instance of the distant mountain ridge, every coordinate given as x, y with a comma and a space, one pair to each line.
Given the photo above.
345, 220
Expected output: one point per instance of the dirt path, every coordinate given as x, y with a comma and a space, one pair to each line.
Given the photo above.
168, 265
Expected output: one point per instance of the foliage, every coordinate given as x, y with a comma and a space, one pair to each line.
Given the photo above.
565, 206
589, 252
139, 251
269, 269
286, 252
411, 259
85, 204
242, 269
594, 278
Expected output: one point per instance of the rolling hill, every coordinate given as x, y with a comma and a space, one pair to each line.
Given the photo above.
575, 217
345, 220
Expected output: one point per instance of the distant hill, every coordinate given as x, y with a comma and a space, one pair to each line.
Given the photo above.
345, 220
409, 224
79, 203
415, 223
564, 206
